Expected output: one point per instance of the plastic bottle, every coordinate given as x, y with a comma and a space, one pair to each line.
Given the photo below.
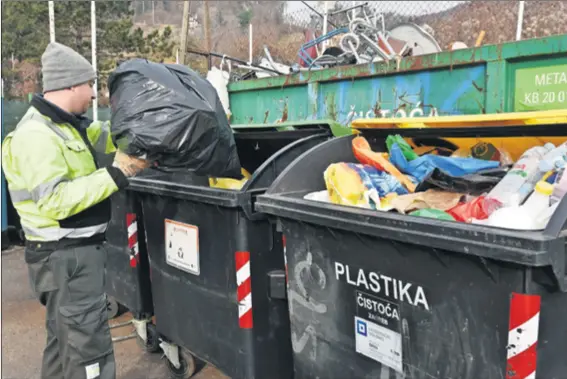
560, 187
533, 215
539, 199
509, 191
546, 164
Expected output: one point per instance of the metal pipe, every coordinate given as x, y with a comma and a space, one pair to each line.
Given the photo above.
217, 55
51, 21
250, 44
184, 30
318, 13
520, 20
325, 20
349, 8
94, 62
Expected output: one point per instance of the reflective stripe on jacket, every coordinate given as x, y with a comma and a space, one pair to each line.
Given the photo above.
53, 178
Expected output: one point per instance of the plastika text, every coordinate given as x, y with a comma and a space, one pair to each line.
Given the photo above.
382, 285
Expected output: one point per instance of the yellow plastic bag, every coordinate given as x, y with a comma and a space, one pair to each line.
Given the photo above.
231, 184
345, 186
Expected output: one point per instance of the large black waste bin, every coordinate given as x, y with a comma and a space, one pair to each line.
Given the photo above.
127, 269
217, 267
383, 295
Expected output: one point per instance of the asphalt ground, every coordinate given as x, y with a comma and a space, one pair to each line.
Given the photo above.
23, 333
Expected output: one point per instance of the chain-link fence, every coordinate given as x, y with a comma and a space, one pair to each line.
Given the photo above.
283, 33
280, 26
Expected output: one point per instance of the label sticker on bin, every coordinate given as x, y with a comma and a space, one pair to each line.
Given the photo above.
378, 330
182, 246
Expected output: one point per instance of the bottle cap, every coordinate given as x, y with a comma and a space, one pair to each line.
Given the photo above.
549, 146
544, 188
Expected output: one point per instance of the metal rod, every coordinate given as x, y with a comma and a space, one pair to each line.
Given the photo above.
120, 339
120, 325
184, 29
51, 21
94, 62
217, 55
520, 20
353, 7
325, 20
250, 43
318, 13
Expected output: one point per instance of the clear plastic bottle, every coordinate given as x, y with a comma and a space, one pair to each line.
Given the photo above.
539, 199
560, 187
518, 183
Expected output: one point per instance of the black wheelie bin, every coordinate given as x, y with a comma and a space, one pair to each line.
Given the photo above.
217, 266
383, 295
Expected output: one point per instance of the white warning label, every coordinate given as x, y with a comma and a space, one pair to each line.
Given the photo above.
377, 331
182, 246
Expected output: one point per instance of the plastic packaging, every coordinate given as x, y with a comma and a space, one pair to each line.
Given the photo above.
560, 187
433, 213
365, 155
219, 80
228, 183
555, 157
423, 166
360, 185
477, 208
472, 184
322, 196
539, 199
515, 187
171, 115
404, 146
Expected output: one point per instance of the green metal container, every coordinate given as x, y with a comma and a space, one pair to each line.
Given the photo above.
518, 76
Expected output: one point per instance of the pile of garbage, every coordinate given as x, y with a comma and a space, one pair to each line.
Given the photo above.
480, 185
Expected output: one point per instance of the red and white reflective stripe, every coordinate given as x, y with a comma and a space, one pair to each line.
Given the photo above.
244, 290
523, 336
133, 246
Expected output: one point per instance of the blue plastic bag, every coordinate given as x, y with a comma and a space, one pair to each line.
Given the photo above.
423, 166
382, 182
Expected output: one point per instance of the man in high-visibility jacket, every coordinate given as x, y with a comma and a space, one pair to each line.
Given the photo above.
62, 198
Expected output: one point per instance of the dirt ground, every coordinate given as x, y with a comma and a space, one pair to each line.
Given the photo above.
23, 334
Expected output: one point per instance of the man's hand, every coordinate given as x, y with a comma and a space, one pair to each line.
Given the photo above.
129, 165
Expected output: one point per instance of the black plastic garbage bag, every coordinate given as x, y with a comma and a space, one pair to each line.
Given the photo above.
173, 117
474, 184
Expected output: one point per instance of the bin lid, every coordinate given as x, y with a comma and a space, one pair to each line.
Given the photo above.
328, 124
466, 121
285, 146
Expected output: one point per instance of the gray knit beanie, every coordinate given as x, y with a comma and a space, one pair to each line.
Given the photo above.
62, 67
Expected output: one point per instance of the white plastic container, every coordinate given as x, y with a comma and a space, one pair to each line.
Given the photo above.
539, 200
516, 186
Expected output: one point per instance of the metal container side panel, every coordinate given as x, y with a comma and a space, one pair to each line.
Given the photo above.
201, 312
321, 94
430, 92
452, 310
129, 285
537, 84
413, 94
270, 106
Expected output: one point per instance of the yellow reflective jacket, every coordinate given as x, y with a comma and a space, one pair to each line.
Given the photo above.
52, 174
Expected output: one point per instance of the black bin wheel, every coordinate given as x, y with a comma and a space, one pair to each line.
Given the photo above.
187, 368
113, 308
151, 345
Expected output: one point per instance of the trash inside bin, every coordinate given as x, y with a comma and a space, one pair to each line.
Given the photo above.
217, 266
381, 294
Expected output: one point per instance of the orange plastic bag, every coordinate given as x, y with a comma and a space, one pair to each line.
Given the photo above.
365, 155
